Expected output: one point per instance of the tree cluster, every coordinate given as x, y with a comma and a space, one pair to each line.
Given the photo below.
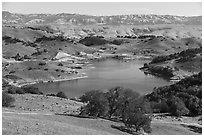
181, 56
182, 98
23, 90
7, 100
93, 40
118, 103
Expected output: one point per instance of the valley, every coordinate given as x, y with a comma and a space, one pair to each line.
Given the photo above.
76, 53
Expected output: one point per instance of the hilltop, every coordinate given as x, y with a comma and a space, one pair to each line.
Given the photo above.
77, 19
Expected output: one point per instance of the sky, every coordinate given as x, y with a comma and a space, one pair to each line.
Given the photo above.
106, 8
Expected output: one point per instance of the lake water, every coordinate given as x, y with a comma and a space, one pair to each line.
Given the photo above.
105, 75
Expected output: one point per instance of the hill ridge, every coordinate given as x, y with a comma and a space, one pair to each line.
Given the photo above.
80, 19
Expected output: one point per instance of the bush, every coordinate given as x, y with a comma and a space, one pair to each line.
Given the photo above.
92, 40
138, 121
31, 90
15, 90
42, 63
161, 107
89, 95
118, 99
135, 115
143, 104
61, 94
26, 57
29, 68
97, 106
166, 72
4, 83
51, 95
60, 64
8, 39
117, 42
7, 100
177, 106
194, 104
195, 90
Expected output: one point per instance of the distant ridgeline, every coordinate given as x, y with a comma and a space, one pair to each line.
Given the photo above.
77, 19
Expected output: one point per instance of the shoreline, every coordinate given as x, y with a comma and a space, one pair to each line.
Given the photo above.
49, 81
125, 58
32, 82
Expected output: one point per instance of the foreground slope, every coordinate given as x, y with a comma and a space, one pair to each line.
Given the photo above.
35, 115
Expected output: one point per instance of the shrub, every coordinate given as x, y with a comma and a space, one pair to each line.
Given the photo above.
166, 72
117, 42
42, 63
26, 57
5, 83
12, 71
8, 39
135, 115
51, 95
61, 94
29, 68
161, 107
138, 121
92, 40
31, 90
142, 103
177, 106
97, 106
7, 100
194, 104
116, 100
195, 90
62, 71
88, 96
119, 98
60, 64
15, 90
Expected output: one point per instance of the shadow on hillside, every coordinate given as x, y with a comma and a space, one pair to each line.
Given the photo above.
90, 117
124, 129
76, 115
193, 128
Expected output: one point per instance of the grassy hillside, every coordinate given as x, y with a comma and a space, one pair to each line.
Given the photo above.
177, 65
39, 48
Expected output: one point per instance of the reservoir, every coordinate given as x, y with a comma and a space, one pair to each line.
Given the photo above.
105, 75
